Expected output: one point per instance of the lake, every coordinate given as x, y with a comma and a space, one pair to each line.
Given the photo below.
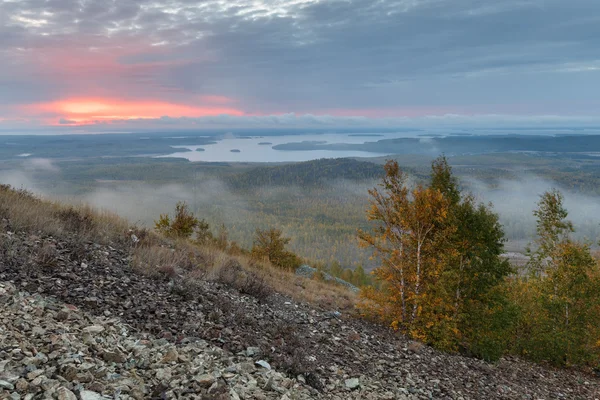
260, 148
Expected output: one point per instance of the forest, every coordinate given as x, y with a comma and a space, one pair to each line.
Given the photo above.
443, 279
319, 204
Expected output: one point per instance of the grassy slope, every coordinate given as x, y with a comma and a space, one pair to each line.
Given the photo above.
153, 254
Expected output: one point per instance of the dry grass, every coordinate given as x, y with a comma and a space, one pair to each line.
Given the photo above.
159, 257
22, 211
189, 261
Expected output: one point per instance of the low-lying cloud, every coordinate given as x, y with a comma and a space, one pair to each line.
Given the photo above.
515, 201
142, 203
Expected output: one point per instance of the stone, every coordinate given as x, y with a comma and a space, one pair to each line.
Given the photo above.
252, 351
205, 380
415, 347
94, 329
263, 364
164, 374
113, 356
6, 385
90, 395
352, 383
21, 385
109, 342
171, 356
63, 393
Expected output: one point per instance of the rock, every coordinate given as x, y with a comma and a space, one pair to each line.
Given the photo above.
113, 356
94, 329
164, 374
205, 380
63, 393
112, 331
6, 385
252, 351
21, 385
70, 373
352, 383
171, 356
263, 364
415, 347
90, 395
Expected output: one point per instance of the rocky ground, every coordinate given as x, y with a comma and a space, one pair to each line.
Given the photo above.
77, 323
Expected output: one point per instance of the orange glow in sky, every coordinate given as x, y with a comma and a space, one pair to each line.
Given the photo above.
91, 110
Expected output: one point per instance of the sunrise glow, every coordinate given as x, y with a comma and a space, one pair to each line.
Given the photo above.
82, 111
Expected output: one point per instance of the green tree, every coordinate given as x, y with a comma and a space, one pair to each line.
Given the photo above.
562, 314
552, 228
440, 252
475, 269
270, 244
183, 224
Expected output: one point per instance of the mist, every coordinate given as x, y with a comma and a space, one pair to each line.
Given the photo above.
341, 200
515, 201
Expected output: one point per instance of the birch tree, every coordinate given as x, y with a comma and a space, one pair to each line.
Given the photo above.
410, 231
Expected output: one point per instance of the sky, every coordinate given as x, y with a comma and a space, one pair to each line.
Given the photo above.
201, 63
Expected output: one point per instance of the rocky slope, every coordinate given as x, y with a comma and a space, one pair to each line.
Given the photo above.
77, 323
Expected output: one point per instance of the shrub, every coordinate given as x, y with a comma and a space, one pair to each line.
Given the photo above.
270, 244
246, 282
183, 225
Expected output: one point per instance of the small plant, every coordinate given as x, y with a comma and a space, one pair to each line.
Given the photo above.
183, 225
230, 273
246, 282
255, 286
47, 256
75, 220
270, 244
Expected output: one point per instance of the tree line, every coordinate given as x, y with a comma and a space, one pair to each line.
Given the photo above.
443, 280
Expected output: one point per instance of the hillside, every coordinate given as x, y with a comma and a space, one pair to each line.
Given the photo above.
92, 308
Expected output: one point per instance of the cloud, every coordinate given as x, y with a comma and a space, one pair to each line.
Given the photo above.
276, 56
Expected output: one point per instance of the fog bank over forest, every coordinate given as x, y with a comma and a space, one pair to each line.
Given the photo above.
515, 200
340, 203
